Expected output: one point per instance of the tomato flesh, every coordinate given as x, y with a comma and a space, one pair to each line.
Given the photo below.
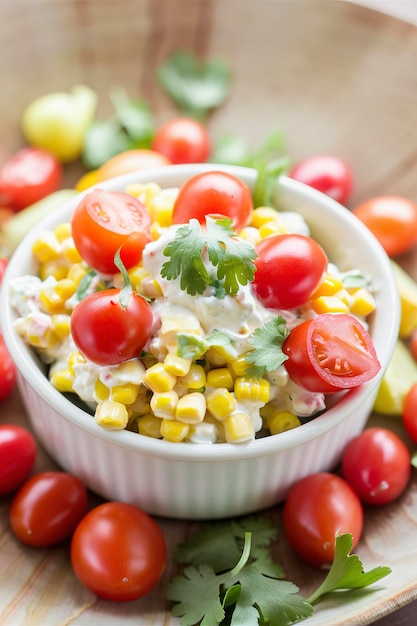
17, 456
409, 414
8, 372
330, 352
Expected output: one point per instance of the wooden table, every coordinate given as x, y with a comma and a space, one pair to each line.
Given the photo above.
336, 78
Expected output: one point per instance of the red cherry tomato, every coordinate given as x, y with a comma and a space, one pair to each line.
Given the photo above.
3, 265
118, 552
105, 221
216, 193
183, 140
289, 268
318, 508
377, 465
17, 456
130, 161
329, 353
106, 332
392, 220
47, 508
28, 176
409, 415
327, 174
7, 371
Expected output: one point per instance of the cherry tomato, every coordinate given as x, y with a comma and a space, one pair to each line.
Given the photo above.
318, 508
392, 220
327, 174
3, 265
130, 161
289, 268
409, 415
17, 456
330, 352
108, 333
214, 193
47, 508
183, 140
7, 371
105, 221
118, 552
377, 465
28, 176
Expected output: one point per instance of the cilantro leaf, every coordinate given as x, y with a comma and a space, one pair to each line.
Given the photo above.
347, 571
197, 87
103, 140
232, 259
267, 341
134, 116
354, 279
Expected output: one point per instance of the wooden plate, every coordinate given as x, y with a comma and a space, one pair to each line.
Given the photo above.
335, 78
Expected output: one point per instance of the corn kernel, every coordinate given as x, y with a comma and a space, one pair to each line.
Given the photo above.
170, 328
144, 191
63, 231
74, 359
252, 388
76, 273
363, 302
141, 406
262, 215
164, 404
203, 432
250, 234
219, 355
60, 324
329, 304
196, 377
221, 403
40, 336
329, 286
46, 247
238, 367
111, 415
126, 394
282, 421
150, 426
191, 408
220, 377
272, 228
161, 209
62, 380
177, 365
70, 252
158, 379
238, 428
101, 391
55, 268
171, 430
136, 275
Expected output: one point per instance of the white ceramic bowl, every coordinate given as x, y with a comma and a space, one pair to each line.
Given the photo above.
191, 481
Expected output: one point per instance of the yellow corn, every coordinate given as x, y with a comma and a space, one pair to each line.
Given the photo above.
74, 359
175, 431
363, 302
250, 234
238, 428
60, 324
191, 408
220, 377
144, 191
176, 365
283, 421
141, 406
195, 378
219, 355
158, 379
54, 297
161, 208
238, 367
101, 391
329, 286
56, 268
329, 304
70, 252
63, 231
252, 388
272, 228
150, 288
62, 380
111, 415
171, 326
203, 432
156, 230
76, 273
43, 337
46, 247
221, 403
164, 404
125, 394
136, 275
264, 214
150, 426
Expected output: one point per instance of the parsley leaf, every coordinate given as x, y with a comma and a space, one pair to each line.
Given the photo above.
197, 87
267, 341
231, 258
346, 571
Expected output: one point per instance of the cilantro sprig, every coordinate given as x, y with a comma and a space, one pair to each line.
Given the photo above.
267, 341
232, 259
231, 578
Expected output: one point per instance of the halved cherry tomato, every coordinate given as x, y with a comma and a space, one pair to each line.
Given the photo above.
214, 193
118, 552
327, 174
409, 415
28, 176
130, 161
47, 508
8, 371
105, 221
106, 332
17, 456
377, 465
330, 352
318, 508
183, 140
289, 269
392, 220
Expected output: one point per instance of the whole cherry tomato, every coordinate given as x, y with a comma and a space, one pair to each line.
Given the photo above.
409, 415
392, 220
327, 174
17, 456
107, 332
377, 465
105, 221
289, 269
3, 265
28, 176
214, 193
118, 552
183, 140
330, 352
8, 371
318, 508
47, 508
